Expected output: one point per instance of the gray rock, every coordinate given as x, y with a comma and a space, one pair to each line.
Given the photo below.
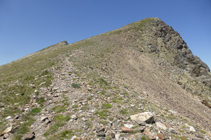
160, 125
6, 136
153, 48
101, 134
143, 117
6, 131
112, 135
28, 136
173, 131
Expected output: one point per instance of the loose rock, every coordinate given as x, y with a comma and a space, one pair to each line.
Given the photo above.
126, 130
29, 136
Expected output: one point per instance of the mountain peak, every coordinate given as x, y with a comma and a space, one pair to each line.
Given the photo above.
119, 84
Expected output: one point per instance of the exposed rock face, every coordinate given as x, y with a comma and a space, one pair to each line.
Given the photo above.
168, 40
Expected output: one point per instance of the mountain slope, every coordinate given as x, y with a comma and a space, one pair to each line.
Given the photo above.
92, 87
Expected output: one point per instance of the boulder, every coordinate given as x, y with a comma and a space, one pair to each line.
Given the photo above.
143, 117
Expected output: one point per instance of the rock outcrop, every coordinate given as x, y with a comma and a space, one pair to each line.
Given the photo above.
169, 41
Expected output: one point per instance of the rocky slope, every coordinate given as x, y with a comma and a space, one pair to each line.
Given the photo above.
140, 81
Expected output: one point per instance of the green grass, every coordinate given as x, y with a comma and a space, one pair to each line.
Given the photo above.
123, 111
75, 106
34, 111
74, 85
106, 106
203, 132
144, 138
28, 120
59, 109
102, 113
40, 100
60, 121
183, 138
102, 82
67, 134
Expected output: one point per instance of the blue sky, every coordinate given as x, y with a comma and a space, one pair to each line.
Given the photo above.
27, 26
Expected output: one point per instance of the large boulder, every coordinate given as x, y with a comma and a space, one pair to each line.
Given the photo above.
143, 117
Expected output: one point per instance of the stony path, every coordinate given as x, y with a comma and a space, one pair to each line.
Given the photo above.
60, 88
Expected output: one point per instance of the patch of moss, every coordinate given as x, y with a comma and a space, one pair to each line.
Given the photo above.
123, 111
103, 113
75, 106
75, 85
59, 109
67, 134
40, 100
203, 132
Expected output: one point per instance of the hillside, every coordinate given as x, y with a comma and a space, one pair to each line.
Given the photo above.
92, 89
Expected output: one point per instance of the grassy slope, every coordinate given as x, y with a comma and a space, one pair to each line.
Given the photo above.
19, 79
111, 51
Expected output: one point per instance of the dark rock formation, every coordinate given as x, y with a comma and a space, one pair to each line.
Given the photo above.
177, 47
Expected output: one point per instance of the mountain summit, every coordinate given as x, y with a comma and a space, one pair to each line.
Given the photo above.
140, 81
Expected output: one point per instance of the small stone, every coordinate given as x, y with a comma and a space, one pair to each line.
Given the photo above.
132, 105
128, 125
160, 125
101, 134
173, 112
199, 136
28, 136
26, 109
150, 135
8, 130
102, 129
117, 135
9, 117
84, 119
161, 136
74, 137
141, 129
6, 136
92, 111
74, 117
192, 129
126, 130
112, 135
44, 118
173, 131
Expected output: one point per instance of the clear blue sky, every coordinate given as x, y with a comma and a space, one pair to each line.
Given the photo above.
27, 26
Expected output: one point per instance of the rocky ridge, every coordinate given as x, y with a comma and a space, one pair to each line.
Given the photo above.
107, 99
